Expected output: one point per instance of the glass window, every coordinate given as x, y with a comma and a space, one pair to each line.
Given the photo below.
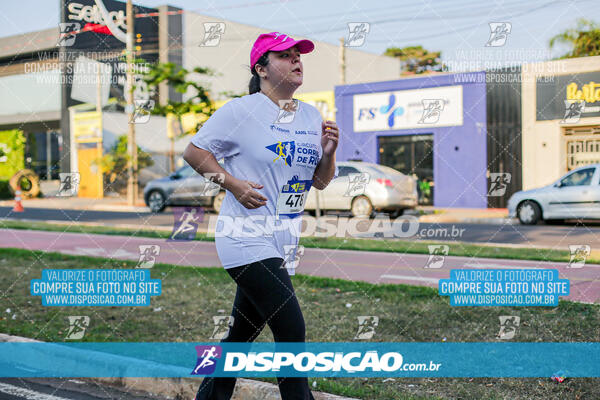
344, 170
186, 172
579, 178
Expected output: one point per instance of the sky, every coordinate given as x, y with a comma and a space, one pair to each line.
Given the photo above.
457, 28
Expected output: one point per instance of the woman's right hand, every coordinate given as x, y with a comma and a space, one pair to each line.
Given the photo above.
248, 197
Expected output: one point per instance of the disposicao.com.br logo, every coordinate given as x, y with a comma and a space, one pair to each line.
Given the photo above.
370, 361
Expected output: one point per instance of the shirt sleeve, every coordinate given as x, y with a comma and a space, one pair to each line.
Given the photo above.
217, 134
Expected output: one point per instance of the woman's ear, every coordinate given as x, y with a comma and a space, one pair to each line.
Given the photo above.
261, 71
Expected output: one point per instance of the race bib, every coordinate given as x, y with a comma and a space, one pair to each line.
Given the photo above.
292, 197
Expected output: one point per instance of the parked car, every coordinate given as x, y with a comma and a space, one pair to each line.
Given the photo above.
184, 187
386, 190
574, 196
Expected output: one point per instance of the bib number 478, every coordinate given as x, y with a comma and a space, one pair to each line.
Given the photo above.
294, 200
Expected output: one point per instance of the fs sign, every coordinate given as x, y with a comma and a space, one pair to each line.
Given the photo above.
407, 109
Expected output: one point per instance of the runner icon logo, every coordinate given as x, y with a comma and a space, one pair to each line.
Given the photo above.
498, 34
366, 327
207, 359
287, 111
68, 33
222, 325
357, 34
508, 326
498, 183
432, 109
77, 326
437, 254
212, 34
148, 254
579, 254
573, 111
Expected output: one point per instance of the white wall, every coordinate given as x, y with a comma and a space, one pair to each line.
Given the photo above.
232, 59
30, 93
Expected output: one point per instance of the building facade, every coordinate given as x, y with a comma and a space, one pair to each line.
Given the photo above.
559, 132
433, 126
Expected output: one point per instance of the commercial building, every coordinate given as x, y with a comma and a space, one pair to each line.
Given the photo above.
561, 118
454, 130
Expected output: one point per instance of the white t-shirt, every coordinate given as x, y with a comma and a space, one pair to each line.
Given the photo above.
261, 143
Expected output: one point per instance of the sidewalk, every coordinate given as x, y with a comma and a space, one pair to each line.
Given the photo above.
431, 214
465, 215
81, 203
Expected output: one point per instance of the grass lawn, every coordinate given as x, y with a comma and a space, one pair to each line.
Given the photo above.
387, 245
192, 296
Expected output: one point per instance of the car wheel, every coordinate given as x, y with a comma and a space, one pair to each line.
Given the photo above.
361, 207
218, 201
156, 201
529, 213
397, 213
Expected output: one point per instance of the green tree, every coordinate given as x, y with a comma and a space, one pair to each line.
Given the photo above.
177, 77
416, 59
584, 39
114, 164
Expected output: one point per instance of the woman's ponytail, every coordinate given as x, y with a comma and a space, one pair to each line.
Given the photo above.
254, 85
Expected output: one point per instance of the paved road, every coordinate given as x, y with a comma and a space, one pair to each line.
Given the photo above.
555, 236
375, 267
62, 389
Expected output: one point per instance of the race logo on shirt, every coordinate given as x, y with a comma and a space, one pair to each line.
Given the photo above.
285, 151
305, 154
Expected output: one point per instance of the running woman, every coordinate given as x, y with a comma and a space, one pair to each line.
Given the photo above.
275, 148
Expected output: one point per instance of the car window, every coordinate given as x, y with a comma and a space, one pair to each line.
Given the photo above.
579, 178
186, 172
345, 170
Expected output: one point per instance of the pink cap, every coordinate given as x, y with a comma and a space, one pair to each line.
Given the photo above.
275, 41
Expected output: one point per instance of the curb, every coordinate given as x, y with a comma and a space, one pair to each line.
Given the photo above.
90, 207
185, 388
429, 219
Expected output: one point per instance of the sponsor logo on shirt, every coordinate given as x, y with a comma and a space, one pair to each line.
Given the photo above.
296, 185
306, 132
278, 129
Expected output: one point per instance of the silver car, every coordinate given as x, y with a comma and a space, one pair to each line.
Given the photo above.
183, 187
574, 196
363, 188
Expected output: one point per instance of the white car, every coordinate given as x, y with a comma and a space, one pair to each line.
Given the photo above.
574, 196
363, 188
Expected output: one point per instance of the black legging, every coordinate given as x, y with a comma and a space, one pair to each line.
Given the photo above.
264, 295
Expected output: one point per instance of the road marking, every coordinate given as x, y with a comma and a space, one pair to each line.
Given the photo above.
410, 278
486, 265
28, 394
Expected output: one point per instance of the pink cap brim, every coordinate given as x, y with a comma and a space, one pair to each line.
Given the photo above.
304, 46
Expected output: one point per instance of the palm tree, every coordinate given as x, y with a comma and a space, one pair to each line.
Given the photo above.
584, 39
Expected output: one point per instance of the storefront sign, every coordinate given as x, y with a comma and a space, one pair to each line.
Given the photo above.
552, 92
404, 109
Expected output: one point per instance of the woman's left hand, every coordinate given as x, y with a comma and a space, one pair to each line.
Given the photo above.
329, 137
